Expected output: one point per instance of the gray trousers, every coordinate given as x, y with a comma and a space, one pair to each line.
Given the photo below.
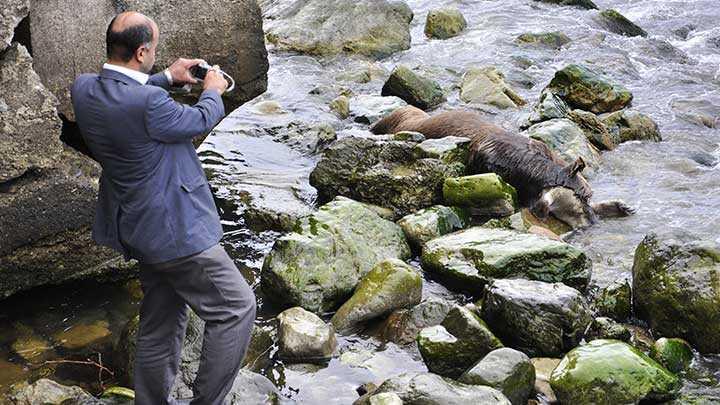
213, 287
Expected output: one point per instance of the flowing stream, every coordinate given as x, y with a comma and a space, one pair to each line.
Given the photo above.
674, 75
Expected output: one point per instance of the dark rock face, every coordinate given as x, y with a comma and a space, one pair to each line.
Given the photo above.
69, 40
586, 4
619, 24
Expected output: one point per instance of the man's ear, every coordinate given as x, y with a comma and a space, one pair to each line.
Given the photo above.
576, 167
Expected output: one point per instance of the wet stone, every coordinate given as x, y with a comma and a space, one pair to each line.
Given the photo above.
673, 353
507, 370
606, 328
304, 337
484, 194
431, 223
404, 325
444, 23
414, 89
487, 86
615, 22
552, 40
582, 88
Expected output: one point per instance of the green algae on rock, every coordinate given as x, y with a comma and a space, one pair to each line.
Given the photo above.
611, 372
444, 23
537, 318
487, 86
627, 125
486, 194
319, 265
416, 90
431, 223
467, 260
619, 24
676, 288
606, 328
390, 285
673, 353
587, 90
594, 129
615, 301
507, 370
554, 39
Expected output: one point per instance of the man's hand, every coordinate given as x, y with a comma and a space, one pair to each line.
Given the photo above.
180, 71
215, 81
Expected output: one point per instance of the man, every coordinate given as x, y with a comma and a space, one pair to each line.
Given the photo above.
155, 206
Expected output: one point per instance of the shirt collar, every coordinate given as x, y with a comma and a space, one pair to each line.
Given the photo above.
138, 76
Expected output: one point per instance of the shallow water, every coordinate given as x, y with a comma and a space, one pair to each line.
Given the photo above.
673, 184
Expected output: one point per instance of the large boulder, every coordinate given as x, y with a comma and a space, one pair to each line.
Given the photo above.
587, 90
416, 90
391, 174
390, 285
507, 370
487, 86
303, 336
69, 40
611, 372
567, 140
375, 28
444, 23
11, 13
319, 265
468, 260
432, 389
48, 193
676, 288
537, 318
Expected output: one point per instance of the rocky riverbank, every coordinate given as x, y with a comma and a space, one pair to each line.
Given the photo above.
389, 273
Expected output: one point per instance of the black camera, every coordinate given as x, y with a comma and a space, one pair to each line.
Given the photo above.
200, 70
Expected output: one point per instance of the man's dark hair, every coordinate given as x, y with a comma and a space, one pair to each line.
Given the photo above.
123, 44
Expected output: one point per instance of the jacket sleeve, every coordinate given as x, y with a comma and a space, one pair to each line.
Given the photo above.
159, 80
170, 122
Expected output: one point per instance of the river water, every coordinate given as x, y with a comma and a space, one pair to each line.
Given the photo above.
674, 75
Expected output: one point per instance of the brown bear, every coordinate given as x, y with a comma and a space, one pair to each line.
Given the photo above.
544, 182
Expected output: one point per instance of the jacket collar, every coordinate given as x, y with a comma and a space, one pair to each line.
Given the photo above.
122, 77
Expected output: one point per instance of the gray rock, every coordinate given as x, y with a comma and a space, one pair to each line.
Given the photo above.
444, 23
341, 106
404, 325
535, 317
595, 130
449, 149
628, 125
49, 392
567, 140
375, 28
487, 86
676, 289
468, 260
304, 337
698, 111
431, 389
553, 40
69, 40
11, 13
414, 89
366, 109
319, 265
619, 24
584, 89
431, 223
506, 370
385, 173
615, 301
386, 398
586, 4
549, 106
390, 285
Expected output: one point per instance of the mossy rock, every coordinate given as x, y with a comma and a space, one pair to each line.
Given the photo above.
341, 106
676, 288
431, 223
611, 372
319, 265
675, 354
587, 90
627, 125
619, 24
586, 4
615, 301
444, 23
416, 90
553, 40
487, 86
594, 129
486, 194
507, 370
468, 260
606, 328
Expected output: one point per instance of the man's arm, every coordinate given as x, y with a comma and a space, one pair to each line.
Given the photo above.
159, 80
170, 122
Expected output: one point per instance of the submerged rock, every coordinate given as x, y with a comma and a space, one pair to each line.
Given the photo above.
304, 337
487, 86
431, 223
567, 140
414, 89
82, 335
537, 318
432, 389
390, 285
676, 288
375, 28
674, 353
630, 125
553, 40
585, 89
485, 194
470, 259
698, 111
617, 23
611, 372
586, 4
444, 23
386, 173
49, 392
404, 325
29, 345
507, 370
318, 266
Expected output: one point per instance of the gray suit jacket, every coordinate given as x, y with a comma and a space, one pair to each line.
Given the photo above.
154, 202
